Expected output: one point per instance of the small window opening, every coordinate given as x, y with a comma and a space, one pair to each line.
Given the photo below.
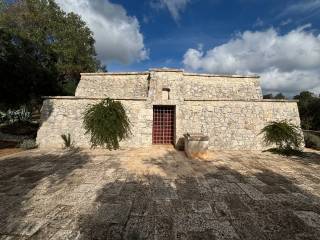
165, 94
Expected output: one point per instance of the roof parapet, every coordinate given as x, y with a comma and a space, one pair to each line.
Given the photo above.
114, 73
169, 70
166, 70
220, 75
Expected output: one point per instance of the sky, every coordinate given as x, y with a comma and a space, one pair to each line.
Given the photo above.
278, 40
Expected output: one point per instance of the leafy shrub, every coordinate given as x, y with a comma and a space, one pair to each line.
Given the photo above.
20, 128
12, 116
28, 144
282, 134
3, 117
107, 123
67, 140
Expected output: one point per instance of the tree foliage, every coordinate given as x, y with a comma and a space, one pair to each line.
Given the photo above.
277, 96
309, 110
54, 46
27, 71
283, 134
107, 123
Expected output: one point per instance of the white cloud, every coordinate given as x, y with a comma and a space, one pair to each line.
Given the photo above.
287, 63
117, 35
174, 6
304, 6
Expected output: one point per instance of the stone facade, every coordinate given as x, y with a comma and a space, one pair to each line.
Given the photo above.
229, 109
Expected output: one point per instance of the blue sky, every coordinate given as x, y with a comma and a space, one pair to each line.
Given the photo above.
207, 22
277, 39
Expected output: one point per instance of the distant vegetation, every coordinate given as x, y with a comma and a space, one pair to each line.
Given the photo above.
42, 51
277, 96
309, 109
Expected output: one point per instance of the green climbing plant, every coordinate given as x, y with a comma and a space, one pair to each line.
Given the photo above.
107, 123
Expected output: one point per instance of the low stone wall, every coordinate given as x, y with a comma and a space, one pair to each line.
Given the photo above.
230, 125
64, 115
235, 125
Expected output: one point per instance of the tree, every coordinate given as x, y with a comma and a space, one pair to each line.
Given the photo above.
3, 5
309, 110
53, 32
268, 96
279, 96
27, 71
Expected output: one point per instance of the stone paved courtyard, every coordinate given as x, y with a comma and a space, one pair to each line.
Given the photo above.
157, 193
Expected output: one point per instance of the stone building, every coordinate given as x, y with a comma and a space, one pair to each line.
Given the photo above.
164, 104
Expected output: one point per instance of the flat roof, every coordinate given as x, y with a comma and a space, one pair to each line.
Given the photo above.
169, 70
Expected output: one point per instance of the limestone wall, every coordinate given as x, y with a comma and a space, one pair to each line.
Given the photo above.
233, 125
210, 87
64, 115
113, 85
191, 86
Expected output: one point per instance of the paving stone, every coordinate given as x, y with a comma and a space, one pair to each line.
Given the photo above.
140, 228
310, 218
206, 235
163, 228
201, 207
221, 210
65, 235
193, 222
255, 181
246, 227
233, 188
165, 189
22, 228
112, 213
233, 195
252, 192
224, 230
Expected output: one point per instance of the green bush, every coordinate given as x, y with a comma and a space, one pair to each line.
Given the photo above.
20, 115
28, 144
20, 128
284, 135
3, 117
107, 123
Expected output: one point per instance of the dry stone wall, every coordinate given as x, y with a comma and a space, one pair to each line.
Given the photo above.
235, 125
127, 86
229, 109
64, 115
221, 87
230, 125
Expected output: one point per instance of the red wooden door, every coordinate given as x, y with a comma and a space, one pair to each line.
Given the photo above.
163, 124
